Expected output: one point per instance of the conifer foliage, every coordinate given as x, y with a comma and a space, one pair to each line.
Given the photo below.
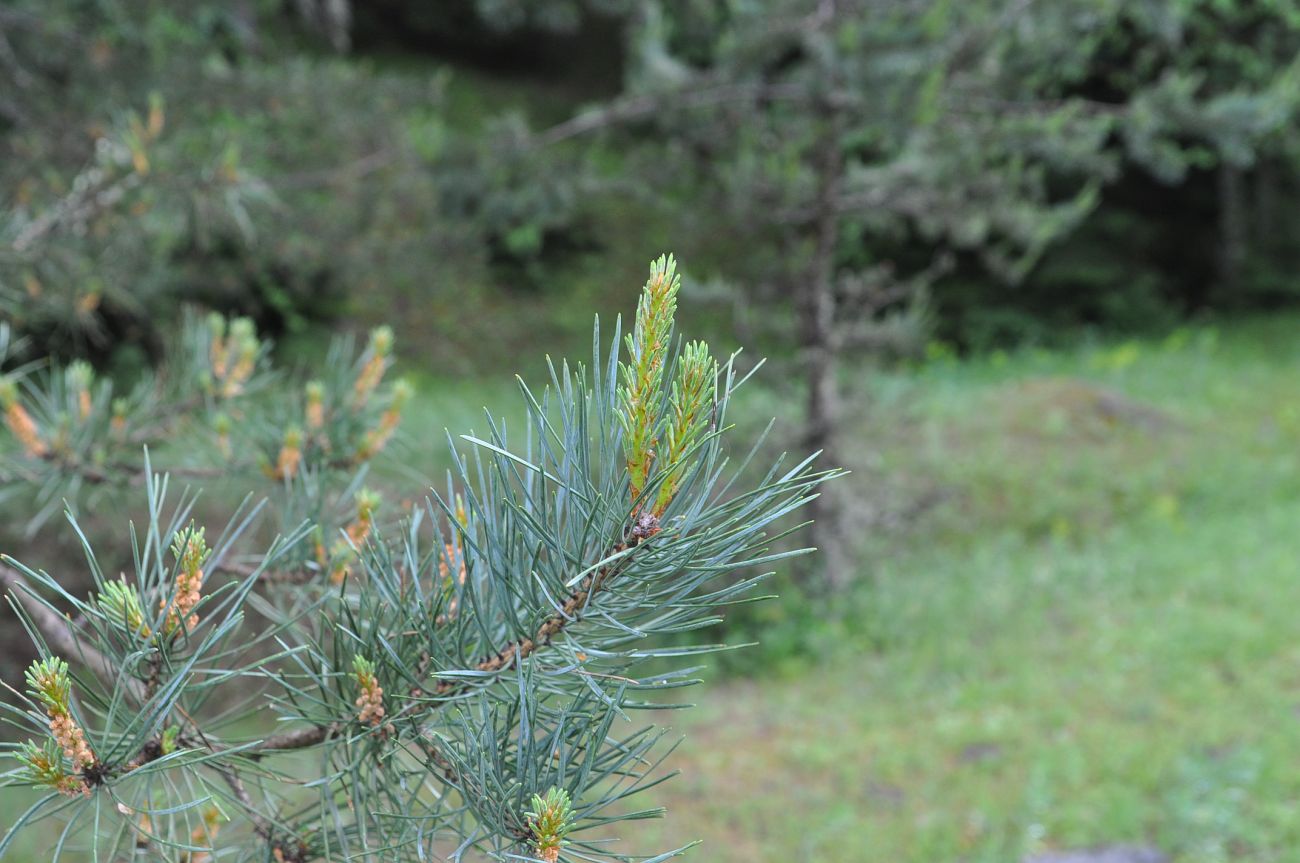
460, 682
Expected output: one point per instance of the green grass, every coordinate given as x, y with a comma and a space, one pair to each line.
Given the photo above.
1086, 636
1091, 639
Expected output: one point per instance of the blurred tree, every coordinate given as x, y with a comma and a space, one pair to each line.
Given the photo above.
331, 18
855, 146
862, 155
1204, 98
160, 155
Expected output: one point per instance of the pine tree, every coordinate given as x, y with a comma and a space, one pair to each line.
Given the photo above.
461, 679
864, 153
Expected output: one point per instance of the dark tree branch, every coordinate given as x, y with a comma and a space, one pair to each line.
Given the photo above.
60, 633
698, 94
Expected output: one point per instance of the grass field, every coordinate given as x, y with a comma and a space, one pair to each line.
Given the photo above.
1087, 636
1091, 640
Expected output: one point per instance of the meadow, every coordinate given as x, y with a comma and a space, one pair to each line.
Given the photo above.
1090, 641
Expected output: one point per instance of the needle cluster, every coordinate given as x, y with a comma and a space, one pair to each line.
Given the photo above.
459, 672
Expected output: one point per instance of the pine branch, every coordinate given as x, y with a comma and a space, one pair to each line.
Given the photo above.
123, 473
696, 94
476, 739
503, 659
299, 738
569, 613
61, 635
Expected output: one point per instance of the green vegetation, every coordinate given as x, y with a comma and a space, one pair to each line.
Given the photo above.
1087, 637
1090, 640
981, 243
451, 674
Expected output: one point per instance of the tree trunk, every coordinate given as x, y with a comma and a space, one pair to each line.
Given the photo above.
1266, 210
331, 18
820, 346
1232, 230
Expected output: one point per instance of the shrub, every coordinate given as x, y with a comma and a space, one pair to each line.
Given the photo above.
444, 681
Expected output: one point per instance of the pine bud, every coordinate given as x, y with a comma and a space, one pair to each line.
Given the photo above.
20, 422
44, 766
372, 370
190, 550
121, 604
244, 343
641, 392
691, 408
377, 438
79, 377
70, 737
381, 340
49, 682
367, 503
154, 125
290, 456
118, 423
549, 821
453, 559
344, 551
370, 701
315, 405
